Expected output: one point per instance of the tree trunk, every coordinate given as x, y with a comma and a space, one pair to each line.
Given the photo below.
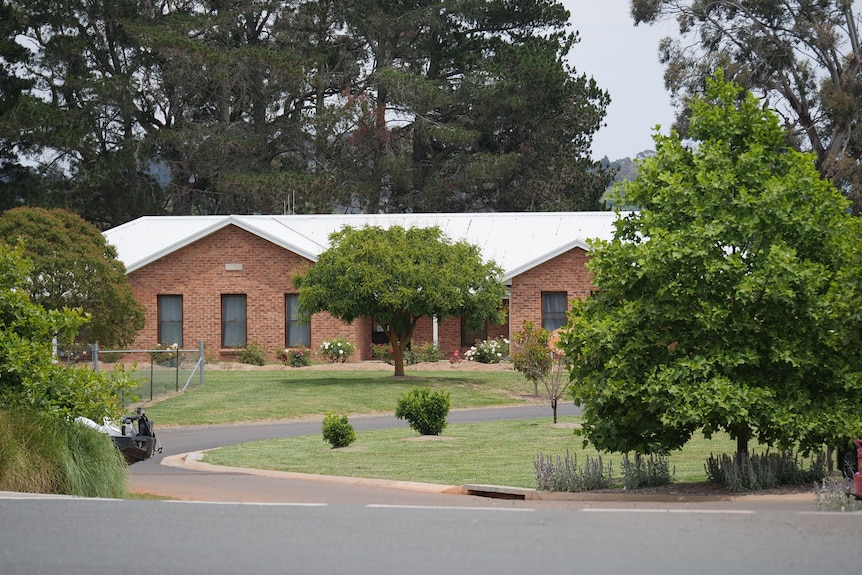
554, 408
743, 433
398, 358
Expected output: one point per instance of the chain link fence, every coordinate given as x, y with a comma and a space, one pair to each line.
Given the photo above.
161, 371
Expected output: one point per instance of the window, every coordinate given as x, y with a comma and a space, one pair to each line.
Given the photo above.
554, 305
469, 336
233, 320
295, 332
170, 309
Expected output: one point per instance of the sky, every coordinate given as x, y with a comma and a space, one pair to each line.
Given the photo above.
623, 59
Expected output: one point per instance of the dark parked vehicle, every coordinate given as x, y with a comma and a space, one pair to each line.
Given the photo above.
133, 436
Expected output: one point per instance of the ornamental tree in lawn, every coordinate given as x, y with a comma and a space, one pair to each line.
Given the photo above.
722, 303
396, 276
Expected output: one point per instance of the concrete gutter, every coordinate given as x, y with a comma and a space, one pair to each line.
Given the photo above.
192, 461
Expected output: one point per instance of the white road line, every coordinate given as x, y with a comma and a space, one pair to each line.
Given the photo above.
693, 511
248, 503
446, 507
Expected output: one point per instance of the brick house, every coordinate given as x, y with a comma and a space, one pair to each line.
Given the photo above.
228, 280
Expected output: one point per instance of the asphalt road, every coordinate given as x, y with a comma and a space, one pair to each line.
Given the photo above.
86, 536
241, 522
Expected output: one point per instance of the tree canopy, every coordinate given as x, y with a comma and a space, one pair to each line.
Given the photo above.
725, 302
803, 59
397, 276
75, 267
28, 376
126, 108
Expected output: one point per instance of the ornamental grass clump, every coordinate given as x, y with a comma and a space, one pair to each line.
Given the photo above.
424, 410
646, 472
338, 431
742, 472
564, 474
336, 350
836, 495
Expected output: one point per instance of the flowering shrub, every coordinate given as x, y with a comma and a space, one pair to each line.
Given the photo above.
417, 353
336, 350
167, 355
295, 357
456, 357
382, 352
421, 353
488, 351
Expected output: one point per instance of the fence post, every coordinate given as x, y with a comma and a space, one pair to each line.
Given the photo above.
201, 360
96, 357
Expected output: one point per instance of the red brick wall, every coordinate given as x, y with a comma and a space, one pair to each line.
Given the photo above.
565, 273
198, 273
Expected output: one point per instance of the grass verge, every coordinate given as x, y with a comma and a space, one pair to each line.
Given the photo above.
498, 453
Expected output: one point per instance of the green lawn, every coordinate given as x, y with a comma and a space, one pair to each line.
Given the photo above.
497, 453
244, 396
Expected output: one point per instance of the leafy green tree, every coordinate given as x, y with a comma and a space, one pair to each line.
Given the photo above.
79, 124
75, 267
471, 106
13, 176
396, 276
243, 106
803, 59
28, 376
721, 304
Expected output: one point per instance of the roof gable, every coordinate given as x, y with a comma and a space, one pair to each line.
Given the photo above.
517, 242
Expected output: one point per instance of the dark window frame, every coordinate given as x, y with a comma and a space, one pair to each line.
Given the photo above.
226, 323
161, 321
554, 318
470, 336
292, 324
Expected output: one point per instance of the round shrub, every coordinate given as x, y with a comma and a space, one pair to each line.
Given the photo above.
424, 410
297, 357
423, 352
337, 430
382, 352
488, 351
336, 350
252, 354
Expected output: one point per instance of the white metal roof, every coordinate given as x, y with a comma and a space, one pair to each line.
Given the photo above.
516, 241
